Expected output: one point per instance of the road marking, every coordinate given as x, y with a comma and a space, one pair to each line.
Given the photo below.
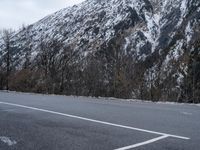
7, 141
96, 121
143, 143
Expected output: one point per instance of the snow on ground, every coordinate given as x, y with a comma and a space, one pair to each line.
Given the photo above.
188, 32
106, 98
7, 140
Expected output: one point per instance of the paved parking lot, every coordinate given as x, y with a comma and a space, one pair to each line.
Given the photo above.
38, 122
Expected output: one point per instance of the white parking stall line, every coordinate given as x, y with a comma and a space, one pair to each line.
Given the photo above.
96, 121
143, 143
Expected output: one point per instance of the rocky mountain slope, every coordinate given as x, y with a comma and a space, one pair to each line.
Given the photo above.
144, 46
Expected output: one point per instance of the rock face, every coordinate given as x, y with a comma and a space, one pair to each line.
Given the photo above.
148, 42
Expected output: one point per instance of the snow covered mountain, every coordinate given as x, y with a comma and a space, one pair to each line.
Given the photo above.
158, 35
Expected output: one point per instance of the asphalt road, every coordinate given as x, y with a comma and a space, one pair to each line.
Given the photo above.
41, 122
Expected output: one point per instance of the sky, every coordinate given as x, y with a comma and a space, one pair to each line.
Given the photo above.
14, 13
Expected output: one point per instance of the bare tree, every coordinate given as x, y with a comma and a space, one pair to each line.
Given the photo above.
6, 38
27, 50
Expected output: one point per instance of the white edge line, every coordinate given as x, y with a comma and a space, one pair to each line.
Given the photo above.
143, 143
96, 121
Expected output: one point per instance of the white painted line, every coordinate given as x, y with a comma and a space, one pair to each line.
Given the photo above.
95, 121
7, 141
143, 143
